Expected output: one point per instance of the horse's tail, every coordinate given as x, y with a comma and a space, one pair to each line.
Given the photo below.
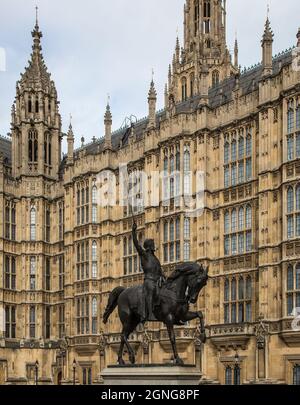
112, 302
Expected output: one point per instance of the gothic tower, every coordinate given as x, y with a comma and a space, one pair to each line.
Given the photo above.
204, 60
36, 122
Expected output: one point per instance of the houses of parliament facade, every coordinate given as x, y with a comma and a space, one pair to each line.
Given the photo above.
61, 254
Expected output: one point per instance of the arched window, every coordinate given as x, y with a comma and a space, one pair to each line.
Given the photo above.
249, 217
192, 80
248, 145
33, 223
241, 148
215, 74
187, 159
94, 315
196, 16
290, 116
49, 150
184, 89
166, 232
233, 221
298, 198
187, 228
248, 288
36, 106
233, 289
290, 278
290, 200
228, 376
226, 222
206, 11
94, 260
226, 153
241, 219
32, 273
29, 105
297, 278
241, 288
237, 375
233, 151
166, 164
296, 374
94, 204
32, 146
172, 164
172, 231
226, 290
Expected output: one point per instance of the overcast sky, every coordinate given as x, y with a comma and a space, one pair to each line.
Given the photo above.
96, 47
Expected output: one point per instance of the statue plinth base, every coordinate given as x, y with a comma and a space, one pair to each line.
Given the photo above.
152, 374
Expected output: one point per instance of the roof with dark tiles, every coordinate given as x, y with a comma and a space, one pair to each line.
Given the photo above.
217, 96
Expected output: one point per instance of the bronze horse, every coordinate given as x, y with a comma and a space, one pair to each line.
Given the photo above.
180, 290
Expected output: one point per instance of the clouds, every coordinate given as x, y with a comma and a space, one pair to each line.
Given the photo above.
96, 47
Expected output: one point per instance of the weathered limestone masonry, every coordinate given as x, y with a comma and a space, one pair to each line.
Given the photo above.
61, 254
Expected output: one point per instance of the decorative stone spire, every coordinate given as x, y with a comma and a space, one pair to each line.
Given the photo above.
36, 74
108, 125
267, 49
236, 53
152, 98
70, 140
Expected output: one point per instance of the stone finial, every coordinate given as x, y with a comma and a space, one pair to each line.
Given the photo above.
108, 126
152, 98
82, 141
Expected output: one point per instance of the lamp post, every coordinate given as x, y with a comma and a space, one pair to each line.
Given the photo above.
74, 371
36, 368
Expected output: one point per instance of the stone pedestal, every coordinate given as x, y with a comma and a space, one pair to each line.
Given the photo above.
152, 374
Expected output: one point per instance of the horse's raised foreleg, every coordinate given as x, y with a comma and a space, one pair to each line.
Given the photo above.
170, 327
194, 315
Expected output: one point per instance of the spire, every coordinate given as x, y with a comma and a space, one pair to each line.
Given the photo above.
108, 125
152, 98
36, 74
70, 140
267, 48
236, 52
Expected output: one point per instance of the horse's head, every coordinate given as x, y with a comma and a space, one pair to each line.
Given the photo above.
196, 281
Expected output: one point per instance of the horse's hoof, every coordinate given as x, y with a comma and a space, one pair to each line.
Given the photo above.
121, 362
132, 359
179, 362
203, 337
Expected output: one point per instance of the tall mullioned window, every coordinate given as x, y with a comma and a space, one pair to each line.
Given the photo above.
61, 321
233, 375
32, 276
61, 272
131, 262
172, 188
94, 259
238, 230
238, 299
296, 374
83, 315
10, 272
172, 237
32, 322
82, 260
293, 288
10, 322
47, 224
293, 129
32, 146
238, 158
33, 223
94, 205
10, 221
60, 221
94, 315
47, 274
196, 17
293, 211
82, 203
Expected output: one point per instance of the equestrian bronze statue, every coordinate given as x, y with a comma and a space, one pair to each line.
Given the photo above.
159, 299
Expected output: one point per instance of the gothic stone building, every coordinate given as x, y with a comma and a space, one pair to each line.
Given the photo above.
61, 254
